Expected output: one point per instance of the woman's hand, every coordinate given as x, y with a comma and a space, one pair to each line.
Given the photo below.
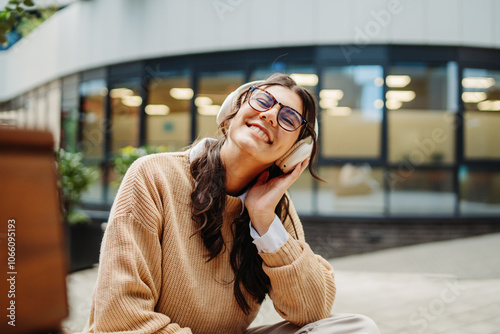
264, 196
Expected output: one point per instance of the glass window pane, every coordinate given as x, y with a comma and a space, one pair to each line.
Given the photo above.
479, 191
351, 190
421, 113
93, 95
421, 192
168, 114
213, 88
113, 183
303, 74
351, 111
94, 193
10, 117
92, 122
125, 99
301, 194
69, 112
481, 97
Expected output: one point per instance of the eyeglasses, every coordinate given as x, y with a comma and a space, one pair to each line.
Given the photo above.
289, 119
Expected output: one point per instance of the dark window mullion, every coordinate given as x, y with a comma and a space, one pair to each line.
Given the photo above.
384, 144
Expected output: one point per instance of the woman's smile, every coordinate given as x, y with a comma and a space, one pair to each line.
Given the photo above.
261, 132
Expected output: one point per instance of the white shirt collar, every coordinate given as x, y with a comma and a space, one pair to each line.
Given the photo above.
197, 149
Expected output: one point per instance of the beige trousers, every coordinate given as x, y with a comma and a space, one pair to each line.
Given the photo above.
341, 323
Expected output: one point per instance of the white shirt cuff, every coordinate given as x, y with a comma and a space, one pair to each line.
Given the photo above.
273, 239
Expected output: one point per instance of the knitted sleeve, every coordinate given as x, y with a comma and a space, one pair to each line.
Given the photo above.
129, 278
302, 283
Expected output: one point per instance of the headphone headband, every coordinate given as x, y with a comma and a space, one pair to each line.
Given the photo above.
230, 101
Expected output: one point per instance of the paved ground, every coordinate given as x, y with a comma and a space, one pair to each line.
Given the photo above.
441, 287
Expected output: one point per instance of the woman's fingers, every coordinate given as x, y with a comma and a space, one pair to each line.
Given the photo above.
263, 177
299, 169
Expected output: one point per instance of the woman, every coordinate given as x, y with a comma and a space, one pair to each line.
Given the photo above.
196, 239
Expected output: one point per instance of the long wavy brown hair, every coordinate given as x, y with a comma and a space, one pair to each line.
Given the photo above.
209, 199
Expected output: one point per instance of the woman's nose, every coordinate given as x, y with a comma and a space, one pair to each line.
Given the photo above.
271, 115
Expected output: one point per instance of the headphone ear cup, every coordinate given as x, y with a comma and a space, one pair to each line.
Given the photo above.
299, 152
226, 107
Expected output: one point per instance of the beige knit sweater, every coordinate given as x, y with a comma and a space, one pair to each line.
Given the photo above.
153, 275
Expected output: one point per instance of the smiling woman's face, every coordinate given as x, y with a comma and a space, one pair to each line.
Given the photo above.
258, 134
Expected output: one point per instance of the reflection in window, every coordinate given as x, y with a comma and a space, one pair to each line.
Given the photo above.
303, 75
421, 107
10, 117
213, 88
92, 126
351, 190
421, 192
125, 102
167, 112
479, 191
351, 103
94, 193
93, 95
69, 113
481, 97
302, 195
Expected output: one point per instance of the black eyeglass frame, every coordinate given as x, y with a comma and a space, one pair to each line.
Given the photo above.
253, 88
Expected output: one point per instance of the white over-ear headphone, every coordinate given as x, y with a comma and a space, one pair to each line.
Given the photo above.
300, 151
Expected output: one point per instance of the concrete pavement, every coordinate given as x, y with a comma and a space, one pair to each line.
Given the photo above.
441, 287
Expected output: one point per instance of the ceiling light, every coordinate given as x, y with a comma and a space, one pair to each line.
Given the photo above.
398, 80
132, 101
157, 109
211, 110
335, 94
400, 95
379, 82
120, 92
181, 93
490, 105
90, 117
393, 104
475, 82
305, 79
378, 104
472, 97
203, 101
328, 103
340, 111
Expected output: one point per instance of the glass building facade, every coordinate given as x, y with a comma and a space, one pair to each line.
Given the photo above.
404, 130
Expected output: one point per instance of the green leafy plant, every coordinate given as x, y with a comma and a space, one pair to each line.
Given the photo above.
75, 179
129, 154
30, 22
11, 15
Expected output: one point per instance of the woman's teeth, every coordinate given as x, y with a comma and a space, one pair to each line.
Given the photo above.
260, 132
